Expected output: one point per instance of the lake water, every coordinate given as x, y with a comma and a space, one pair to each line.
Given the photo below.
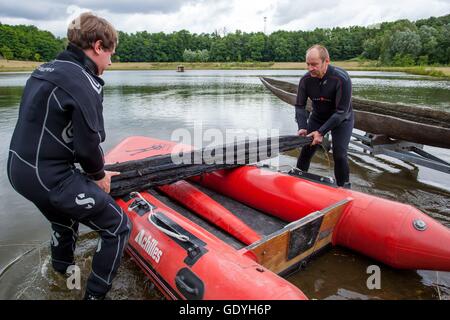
156, 103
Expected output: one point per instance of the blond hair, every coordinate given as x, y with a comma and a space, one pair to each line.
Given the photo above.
323, 52
88, 28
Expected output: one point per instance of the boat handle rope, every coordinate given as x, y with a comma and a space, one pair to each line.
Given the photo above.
176, 235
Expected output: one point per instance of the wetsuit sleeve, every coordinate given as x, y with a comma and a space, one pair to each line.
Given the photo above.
301, 115
87, 146
343, 103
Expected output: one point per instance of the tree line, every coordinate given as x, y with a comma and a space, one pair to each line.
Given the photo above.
398, 43
28, 43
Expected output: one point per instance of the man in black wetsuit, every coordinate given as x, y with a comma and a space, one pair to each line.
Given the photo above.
330, 90
60, 123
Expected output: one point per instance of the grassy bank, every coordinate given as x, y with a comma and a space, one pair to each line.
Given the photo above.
442, 72
14, 65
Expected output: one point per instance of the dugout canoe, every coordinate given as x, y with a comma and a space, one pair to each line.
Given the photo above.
416, 124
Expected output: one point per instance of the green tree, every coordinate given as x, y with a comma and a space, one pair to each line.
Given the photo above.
403, 60
203, 55
298, 47
256, 46
400, 42
6, 53
280, 47
428, 37
372, 48
405, 43
442, 51
219, 50
195, 56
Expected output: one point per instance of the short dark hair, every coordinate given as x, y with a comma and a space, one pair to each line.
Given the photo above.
88, 28
323, 52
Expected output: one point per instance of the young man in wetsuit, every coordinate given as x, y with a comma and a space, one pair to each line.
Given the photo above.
330, 90
60, 123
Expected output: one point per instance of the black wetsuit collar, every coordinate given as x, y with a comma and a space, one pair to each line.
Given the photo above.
75, 54
329, 71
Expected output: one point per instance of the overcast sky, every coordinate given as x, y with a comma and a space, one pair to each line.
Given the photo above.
206, 16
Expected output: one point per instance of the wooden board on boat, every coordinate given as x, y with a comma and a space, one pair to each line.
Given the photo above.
299, 240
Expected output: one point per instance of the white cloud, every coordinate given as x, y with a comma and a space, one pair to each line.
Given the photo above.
206, 16
344, 13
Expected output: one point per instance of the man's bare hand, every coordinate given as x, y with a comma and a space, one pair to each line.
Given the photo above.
302, 132
317, 137
105, 183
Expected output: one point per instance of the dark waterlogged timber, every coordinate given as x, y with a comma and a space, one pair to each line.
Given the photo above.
165, 169
410, 123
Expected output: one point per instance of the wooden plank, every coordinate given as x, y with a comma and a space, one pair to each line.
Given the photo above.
298, 240
160, 170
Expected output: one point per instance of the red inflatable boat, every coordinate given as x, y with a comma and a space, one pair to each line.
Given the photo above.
233, 234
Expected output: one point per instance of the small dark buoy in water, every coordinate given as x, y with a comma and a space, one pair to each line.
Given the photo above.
180, 68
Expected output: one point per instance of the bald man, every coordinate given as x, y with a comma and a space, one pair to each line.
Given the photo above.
330, 90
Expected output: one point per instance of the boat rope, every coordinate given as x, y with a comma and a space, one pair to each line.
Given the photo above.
327, 156
12, 262
437, 285
176, 235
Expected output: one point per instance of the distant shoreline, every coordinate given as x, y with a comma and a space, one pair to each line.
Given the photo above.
440, 72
